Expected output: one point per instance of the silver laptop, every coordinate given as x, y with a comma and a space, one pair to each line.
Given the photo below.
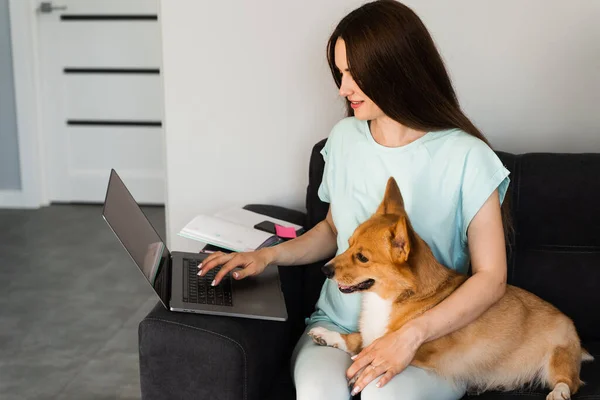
173, 275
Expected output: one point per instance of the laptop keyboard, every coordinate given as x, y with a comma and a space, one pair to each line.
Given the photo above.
197, 289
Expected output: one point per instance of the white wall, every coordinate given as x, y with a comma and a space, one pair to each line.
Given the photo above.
248, 91
526, 72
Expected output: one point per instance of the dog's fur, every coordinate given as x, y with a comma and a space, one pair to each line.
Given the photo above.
521, 340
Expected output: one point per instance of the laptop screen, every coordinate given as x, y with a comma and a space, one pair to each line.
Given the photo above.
138, 236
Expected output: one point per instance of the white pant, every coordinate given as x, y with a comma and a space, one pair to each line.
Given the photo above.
319, 372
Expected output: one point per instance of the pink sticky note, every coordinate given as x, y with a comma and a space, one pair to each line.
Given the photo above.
285, 232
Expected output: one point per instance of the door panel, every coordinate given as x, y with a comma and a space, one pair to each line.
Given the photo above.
109, 43
102, 99
91, 147
124, 97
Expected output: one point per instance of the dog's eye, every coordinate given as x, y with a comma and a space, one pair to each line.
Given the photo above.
361, 258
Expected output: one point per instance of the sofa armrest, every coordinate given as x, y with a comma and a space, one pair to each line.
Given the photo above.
193, 356
286, 214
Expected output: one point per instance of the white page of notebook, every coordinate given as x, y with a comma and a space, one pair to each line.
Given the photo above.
224, 233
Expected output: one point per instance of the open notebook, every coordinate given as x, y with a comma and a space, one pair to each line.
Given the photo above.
233, 229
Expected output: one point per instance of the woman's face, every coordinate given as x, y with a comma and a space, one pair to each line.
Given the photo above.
364, 108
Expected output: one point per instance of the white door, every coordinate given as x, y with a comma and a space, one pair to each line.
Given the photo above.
102, 98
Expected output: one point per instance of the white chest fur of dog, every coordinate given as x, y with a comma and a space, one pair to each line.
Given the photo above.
374, 317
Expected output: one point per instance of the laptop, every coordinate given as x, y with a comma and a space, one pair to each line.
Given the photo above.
173, 275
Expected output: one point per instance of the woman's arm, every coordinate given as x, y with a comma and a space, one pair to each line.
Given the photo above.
487, 284
317, 244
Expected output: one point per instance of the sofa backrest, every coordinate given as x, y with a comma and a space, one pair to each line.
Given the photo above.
316, 211
556, 213
555, 250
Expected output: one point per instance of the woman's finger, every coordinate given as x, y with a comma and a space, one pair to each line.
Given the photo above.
209, 264
364, 358
364, 351
211, 257
228, 266
248, 270
366, 376
385, 378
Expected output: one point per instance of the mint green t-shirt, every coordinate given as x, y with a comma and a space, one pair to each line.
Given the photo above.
445, 177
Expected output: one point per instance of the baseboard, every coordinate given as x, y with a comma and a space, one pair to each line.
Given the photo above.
13, 199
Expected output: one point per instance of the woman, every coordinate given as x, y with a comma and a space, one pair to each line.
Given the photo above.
404, 121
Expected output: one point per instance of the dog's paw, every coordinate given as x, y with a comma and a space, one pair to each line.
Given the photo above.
325, 337
561, 392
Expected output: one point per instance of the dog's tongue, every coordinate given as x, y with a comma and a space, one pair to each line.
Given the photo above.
344, 287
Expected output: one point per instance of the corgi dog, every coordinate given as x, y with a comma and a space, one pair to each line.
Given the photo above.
519, 340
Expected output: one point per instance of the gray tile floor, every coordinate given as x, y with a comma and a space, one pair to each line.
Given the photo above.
70, 302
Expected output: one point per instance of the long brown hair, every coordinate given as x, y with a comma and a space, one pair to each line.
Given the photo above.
393, 59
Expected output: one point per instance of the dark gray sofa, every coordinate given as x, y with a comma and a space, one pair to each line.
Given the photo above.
555, 253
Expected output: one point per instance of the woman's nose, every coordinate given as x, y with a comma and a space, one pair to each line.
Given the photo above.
345, 88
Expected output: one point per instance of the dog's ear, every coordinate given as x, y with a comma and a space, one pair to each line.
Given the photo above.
400, 242
392, 203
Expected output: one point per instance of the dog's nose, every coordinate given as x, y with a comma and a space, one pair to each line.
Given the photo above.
328, 270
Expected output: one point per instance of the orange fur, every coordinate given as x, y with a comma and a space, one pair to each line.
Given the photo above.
519, 340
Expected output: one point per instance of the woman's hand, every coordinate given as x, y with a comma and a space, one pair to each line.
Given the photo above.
252, 263
388, 356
